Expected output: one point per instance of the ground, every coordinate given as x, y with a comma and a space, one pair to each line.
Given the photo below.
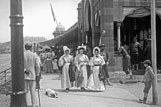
137, 90
119, 95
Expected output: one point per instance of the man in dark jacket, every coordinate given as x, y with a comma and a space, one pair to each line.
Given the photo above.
105, 66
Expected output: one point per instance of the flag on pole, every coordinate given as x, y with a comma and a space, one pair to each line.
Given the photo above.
52, 12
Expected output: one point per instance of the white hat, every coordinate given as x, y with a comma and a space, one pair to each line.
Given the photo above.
95, 49
65, 48
81, 47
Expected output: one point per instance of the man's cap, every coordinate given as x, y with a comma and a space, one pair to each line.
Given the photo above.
147, 62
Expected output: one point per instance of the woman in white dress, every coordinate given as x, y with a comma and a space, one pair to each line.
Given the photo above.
81, 60
94, 82
64, 62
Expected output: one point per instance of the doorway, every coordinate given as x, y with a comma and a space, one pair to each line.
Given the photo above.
139, 27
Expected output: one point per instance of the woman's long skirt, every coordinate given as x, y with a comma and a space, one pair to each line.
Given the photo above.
65, 80
94, 82
49, 66
82, 77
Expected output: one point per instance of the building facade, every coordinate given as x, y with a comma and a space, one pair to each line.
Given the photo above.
116, 22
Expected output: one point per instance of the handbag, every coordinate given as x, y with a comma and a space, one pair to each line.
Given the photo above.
101, 75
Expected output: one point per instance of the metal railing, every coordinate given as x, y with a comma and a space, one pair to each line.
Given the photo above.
5, 78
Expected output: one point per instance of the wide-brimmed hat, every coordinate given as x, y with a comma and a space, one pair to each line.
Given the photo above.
82, 47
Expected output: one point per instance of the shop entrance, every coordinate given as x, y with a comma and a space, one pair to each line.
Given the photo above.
139, 28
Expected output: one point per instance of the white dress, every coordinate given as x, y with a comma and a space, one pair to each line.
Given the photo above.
94, 82
81, 61
64, 62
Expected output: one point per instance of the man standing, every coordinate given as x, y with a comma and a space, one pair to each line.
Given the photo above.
105, 66
32, 71
135, 49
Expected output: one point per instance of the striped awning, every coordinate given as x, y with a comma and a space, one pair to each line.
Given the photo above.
139, 12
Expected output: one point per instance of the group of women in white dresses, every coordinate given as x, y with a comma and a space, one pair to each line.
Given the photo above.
80, 62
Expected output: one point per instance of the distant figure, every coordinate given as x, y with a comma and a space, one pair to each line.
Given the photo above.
64, 62
126, 60
148, 79
147, 49
105, 66
32, 71
135, 48
55, 65
48, 62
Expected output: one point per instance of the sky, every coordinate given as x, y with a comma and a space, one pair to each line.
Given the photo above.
38, 19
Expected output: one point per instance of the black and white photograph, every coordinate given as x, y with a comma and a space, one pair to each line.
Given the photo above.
80, 53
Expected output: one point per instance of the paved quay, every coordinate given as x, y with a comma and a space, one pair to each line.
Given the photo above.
112, 97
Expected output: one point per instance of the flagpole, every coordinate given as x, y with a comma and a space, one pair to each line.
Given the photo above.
153, 51
55, 20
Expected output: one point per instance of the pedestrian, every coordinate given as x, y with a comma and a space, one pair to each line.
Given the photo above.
96, 82
105, 66
148, 79
48, 61
32, 71
64, 62
126, 60
81, 60
55, 65
135, 49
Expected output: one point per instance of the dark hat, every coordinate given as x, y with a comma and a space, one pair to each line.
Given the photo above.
28, 44
102, 45
147, 62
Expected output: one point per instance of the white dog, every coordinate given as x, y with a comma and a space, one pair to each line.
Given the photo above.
51, 93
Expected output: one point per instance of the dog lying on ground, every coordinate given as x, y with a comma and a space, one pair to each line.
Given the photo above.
51, 93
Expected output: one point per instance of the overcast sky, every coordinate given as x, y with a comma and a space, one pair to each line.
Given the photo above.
38, 20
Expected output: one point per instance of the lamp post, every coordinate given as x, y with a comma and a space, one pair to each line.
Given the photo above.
17, 56
153, 51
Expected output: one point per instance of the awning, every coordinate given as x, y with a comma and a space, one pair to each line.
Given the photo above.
62, 38
121, 12
51, 42
138, 12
